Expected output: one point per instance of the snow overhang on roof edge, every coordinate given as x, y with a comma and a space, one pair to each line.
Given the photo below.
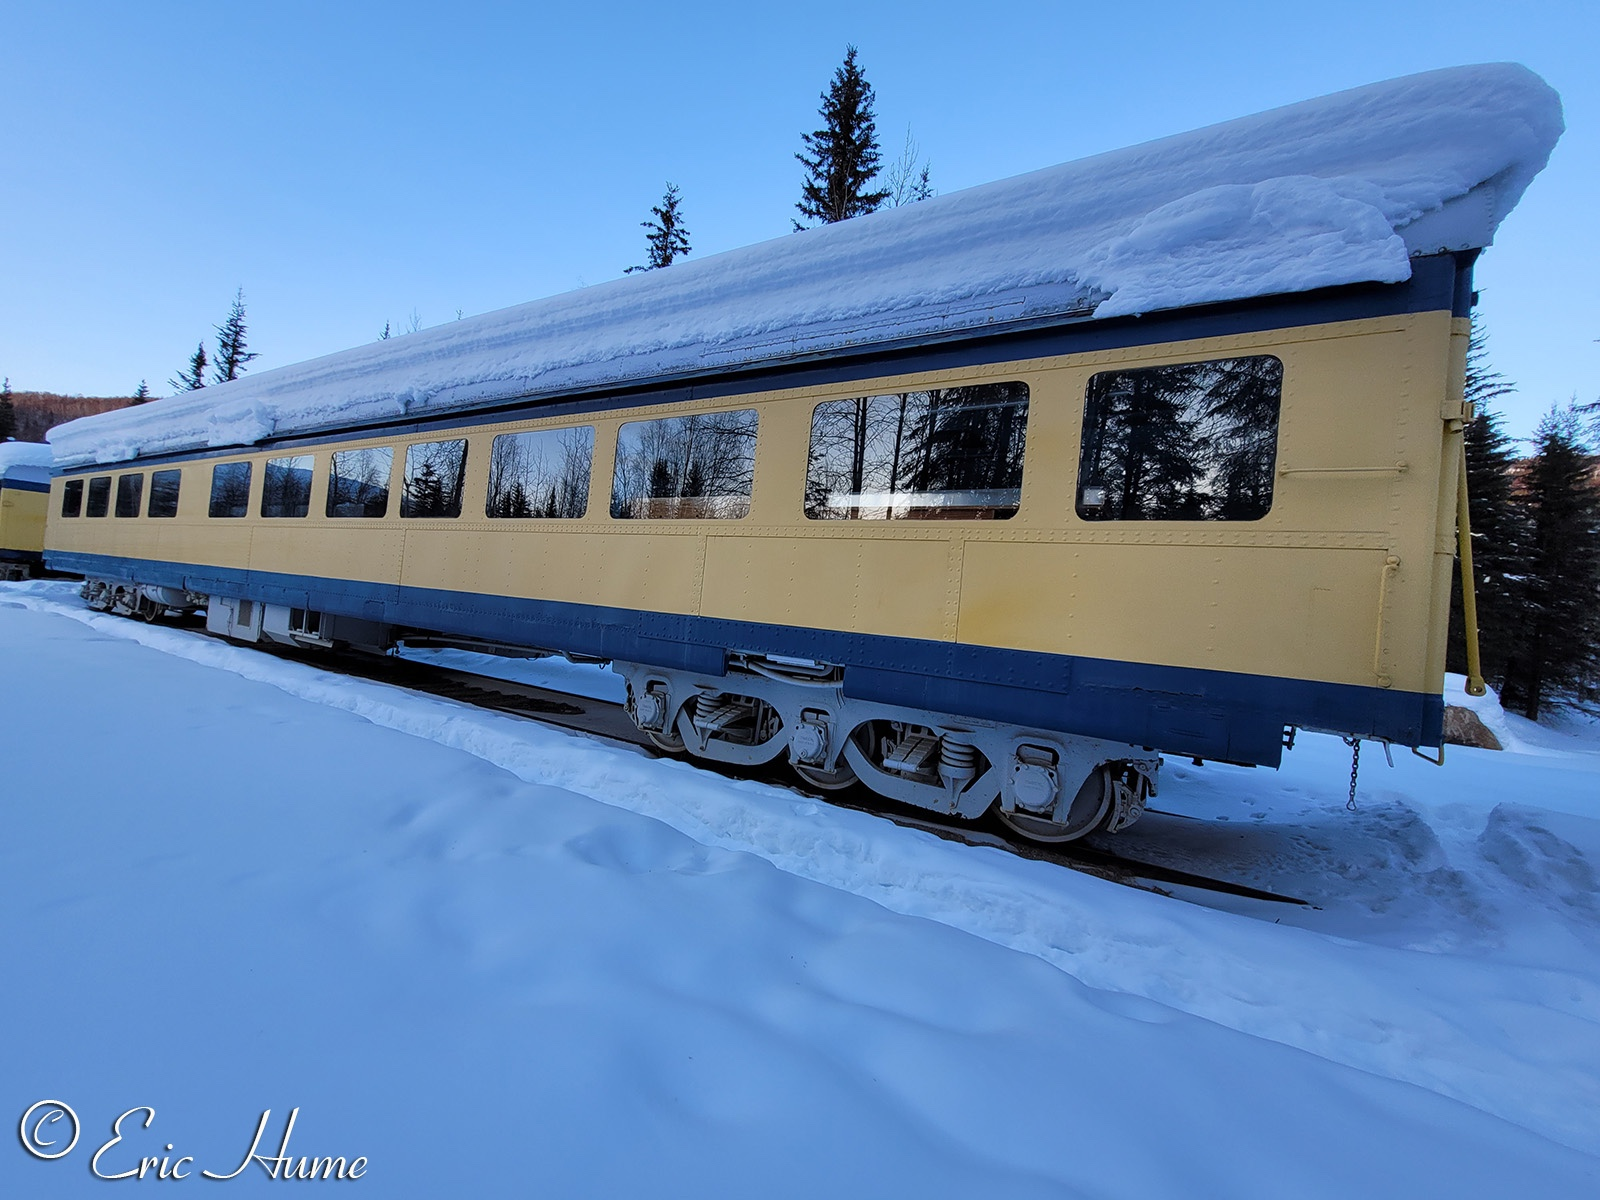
1339, 190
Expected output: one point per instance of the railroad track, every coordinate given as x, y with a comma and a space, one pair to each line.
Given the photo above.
605, 719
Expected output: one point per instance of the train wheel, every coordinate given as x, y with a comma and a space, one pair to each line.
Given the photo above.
666, 742
829, 781
1090, 810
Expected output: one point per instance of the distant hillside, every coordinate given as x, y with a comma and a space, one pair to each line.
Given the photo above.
38, 411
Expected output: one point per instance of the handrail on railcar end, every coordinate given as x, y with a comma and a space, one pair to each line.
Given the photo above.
1469, 583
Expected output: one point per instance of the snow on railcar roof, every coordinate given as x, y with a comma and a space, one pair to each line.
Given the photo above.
1338, 190
22, 455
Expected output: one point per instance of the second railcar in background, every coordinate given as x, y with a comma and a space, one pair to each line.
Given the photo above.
24, 492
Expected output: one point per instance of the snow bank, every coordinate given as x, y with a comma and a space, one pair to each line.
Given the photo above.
1332, 191
1446, 989
1559, 732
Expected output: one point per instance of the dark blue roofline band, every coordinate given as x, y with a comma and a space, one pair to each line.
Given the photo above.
24, 485
1439, 282
1180, 710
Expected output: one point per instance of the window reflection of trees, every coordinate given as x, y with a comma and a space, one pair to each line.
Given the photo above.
686, 467
1188, 442
286, 487
99, 496
230, 489
435, 473
358, 484
164, 493
130, 494
543, 473
951, 453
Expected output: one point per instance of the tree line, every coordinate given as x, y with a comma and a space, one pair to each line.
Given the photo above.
1536, 551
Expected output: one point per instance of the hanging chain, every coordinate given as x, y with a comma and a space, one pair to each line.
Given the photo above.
1355, 767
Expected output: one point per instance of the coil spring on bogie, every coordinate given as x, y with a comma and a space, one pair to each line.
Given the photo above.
958, 765
956, 758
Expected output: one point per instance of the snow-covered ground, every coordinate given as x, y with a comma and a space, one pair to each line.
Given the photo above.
499, 959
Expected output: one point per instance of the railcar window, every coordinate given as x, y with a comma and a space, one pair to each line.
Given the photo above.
358, 484
947, 453
130, 495
286, 487
543, 473
164, 493
695, 467
72, 498
1188, 442
99, 496
230, 489
435, 472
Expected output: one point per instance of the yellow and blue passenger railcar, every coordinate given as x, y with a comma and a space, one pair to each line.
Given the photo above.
986, 501
1008, 564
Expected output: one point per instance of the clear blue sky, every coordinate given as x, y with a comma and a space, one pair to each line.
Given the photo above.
349, 164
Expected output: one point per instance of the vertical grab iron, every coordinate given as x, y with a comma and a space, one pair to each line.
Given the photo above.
1469, 597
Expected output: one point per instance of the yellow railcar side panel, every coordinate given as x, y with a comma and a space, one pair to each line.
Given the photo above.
353, 548
862, 585
656, 570
217, 543
1297, 612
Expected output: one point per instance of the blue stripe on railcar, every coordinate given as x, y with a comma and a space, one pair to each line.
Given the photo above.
1180, 710
23, 485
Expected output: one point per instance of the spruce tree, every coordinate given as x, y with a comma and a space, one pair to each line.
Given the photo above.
842, 157
140, 396
8, 411
666, 238
232, 353
194, 378
1498, 538
1555, 656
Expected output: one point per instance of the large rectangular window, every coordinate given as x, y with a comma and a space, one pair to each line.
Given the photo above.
130, 495
99, 496
72, 498
543, 473
435, 472
286, 487
1187, 442
230, 489
683, 468
358, 483
164, 493
946, 453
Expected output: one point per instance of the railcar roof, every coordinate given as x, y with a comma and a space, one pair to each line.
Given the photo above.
1339, 190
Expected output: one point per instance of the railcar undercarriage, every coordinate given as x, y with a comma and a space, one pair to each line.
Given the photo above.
1046, 786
